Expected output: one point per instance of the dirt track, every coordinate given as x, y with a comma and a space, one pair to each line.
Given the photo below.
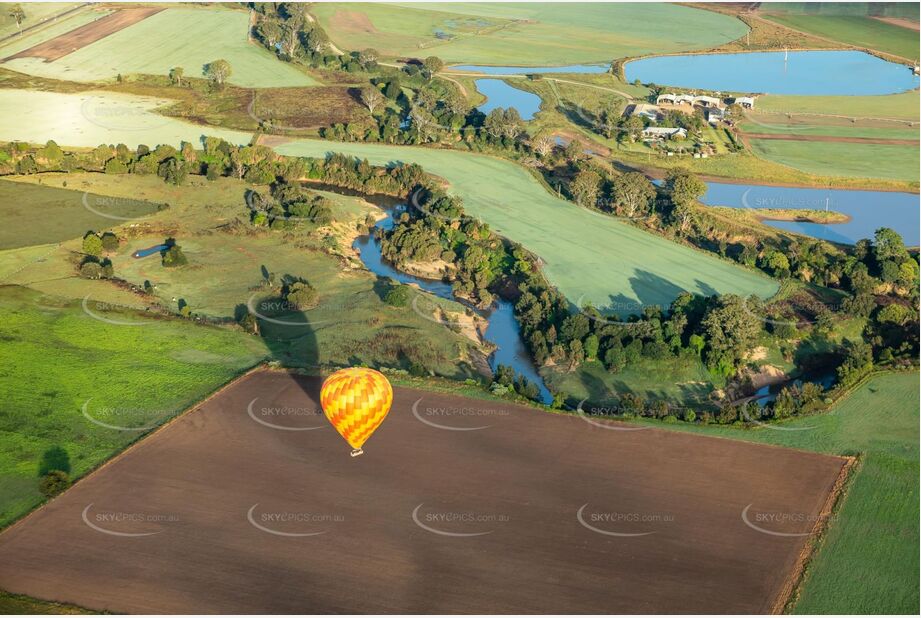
832, 138
219, 512
79, 38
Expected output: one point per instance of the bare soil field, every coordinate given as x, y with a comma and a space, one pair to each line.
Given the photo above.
78, 38
251, 504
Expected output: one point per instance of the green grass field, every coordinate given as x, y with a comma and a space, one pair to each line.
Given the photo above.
133, 376
525, 34
843, 158
867, 562
37, 215
227, 262
17, 604
187, 37
901, 106
589, 256
779, 125
856, 30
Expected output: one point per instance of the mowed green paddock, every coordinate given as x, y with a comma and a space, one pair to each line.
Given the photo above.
228, 264
37, 215
186, 37
900, 106
867, 563
896, 162
525, 34
591, 257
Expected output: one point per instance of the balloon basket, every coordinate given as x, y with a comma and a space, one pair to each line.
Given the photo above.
356, 452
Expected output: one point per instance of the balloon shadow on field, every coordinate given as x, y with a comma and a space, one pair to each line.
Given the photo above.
288, 334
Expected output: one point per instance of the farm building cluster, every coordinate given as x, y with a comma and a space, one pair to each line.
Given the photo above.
713, 108
663, 124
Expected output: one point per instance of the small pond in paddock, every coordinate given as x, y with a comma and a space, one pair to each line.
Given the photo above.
500, 94
142, 253
795, 72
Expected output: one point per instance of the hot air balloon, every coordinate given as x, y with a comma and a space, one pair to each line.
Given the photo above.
356, 401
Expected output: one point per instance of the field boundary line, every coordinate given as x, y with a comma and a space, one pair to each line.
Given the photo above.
834, 139
764, 17
51, 19
790, 590
137, 442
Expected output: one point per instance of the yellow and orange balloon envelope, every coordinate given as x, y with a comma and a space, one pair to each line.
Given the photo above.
356, 401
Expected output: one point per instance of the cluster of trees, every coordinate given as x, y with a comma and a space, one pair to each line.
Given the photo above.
287, 30
93, 264
258, 165
506, 381
720, 330
881, 265
287, 206
300, 295
173, 257
438, 229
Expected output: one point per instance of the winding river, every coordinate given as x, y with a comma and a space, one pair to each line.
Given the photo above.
503, 330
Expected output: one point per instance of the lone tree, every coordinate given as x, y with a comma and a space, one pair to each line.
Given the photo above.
585, 187
372, 97
18, 15
542, 144
684, 188
218, 71
301, 296
432, 65
633, 194
174, 256
176, 74
92, 244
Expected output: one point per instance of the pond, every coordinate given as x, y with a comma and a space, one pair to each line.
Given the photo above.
502, 331
491, 70
500, 94
869, 210
142, 253
799, 72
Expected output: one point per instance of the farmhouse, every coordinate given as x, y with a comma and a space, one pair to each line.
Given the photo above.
654, 133
746, 102
645, 110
